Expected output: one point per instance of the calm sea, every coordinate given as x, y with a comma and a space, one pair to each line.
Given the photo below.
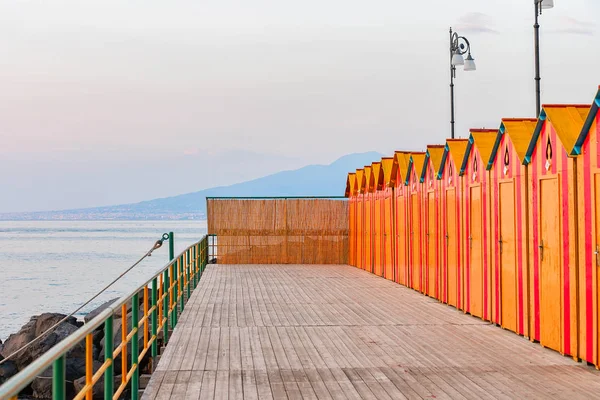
56, 266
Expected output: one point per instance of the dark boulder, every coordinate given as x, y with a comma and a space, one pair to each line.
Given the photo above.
98, 391
7, 370
35, 327
74, 369
41, 385
95, 312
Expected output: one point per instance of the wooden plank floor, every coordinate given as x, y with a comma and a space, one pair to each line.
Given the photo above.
336, 332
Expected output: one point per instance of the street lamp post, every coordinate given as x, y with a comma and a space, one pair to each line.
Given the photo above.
539, 6
459, 46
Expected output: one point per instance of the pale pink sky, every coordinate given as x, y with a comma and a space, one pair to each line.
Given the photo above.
104, 102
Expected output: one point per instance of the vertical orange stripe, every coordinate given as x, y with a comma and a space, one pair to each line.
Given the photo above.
89, 364
566, 251
496, 232
587, 256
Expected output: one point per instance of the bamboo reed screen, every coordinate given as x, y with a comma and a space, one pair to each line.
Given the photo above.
279, 231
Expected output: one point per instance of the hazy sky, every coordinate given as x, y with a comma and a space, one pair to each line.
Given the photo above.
103, 102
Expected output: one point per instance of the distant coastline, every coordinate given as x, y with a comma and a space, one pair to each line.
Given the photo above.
87, 216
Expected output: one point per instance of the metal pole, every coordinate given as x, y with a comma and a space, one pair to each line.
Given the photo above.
108, 355
536, 30
167, 291
59, 379
154, 319
452, 71
166, 295
135, 347
180, 282
171, 246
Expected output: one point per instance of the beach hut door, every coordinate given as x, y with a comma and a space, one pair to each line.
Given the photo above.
451, 245
415, 238
475, 251
508, 275
549, 254
431, 246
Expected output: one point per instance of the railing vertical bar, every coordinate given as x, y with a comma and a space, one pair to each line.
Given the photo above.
135, 384
124, 340
108, 355
146, 320
180, 276
165, 307
59, 379
160, 293
188, 268
173, 297
89, 364
185, 278
196, 265
199, 261
171, 257
193, 267
154, 321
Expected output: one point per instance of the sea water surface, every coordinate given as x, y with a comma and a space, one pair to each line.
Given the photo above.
55, 266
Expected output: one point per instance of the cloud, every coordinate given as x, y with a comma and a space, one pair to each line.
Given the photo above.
476, 22
574, 26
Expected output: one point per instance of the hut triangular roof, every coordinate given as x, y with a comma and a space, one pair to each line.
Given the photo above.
520, 131
377, 179
360, 180
457, 149
402, 160
390, 169
417, 161
587, 124
435, 153
484, 140
368, 178
350, 184
567, 120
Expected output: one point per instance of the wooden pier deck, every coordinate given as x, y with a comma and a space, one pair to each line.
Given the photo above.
323, 332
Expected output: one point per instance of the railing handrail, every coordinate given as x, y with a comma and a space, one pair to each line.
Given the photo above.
18, 382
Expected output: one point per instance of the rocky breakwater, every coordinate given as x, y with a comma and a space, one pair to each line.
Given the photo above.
41, 386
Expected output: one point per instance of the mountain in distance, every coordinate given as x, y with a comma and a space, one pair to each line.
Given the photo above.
312, 180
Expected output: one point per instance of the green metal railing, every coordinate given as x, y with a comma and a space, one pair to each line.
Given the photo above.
163, 299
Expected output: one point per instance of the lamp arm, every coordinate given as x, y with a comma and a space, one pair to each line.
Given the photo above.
460, 48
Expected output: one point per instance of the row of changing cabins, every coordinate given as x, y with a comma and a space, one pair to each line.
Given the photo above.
504, 225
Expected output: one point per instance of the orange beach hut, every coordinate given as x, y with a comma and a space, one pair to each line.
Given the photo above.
452, 216
588, 216
351, 195
431, 215
415, 237
360, 218
552, 183
476, 212
402, 205
377, 183
368, 226
508, 187
389, 182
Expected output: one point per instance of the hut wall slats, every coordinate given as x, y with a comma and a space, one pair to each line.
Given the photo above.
279, 231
